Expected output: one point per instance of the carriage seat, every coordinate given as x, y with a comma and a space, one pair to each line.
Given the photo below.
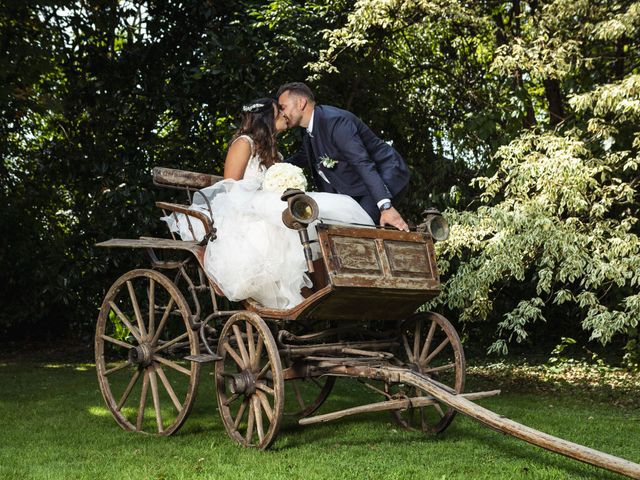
190, 183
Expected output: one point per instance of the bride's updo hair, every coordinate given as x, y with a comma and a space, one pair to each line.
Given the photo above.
259, 123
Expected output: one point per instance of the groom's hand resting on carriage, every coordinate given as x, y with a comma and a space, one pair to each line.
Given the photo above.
392, 217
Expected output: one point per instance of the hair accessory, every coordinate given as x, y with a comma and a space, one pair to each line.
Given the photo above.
254, 107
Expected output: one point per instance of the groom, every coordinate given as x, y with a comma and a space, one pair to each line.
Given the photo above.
345, 156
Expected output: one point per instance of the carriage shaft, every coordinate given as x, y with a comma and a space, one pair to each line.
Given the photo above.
337, 348
397, 404
491, 419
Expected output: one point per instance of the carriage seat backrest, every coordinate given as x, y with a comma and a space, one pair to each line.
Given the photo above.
188, 182
183, 179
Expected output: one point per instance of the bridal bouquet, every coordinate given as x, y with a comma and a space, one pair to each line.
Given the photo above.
281, 176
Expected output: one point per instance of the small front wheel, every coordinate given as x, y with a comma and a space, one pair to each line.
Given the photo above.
249, 381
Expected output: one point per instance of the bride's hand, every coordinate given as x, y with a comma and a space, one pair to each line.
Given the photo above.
392, 217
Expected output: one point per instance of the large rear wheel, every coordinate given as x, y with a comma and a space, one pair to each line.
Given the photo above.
430, 346
142, 336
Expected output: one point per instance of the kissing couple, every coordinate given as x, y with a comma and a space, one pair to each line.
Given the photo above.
359, 177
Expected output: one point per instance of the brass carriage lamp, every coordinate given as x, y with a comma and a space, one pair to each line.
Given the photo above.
434, 224
301, 211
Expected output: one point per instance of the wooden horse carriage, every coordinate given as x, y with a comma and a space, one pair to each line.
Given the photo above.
158, 327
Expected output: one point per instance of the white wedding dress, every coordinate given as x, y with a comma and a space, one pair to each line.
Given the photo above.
254, 255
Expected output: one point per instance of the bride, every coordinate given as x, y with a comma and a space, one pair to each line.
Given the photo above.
254, 255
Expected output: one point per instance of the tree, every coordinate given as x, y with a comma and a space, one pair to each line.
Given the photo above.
555, 233
94, 95
560, 215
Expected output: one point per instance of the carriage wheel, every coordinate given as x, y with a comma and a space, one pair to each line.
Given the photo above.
308, 394
142, 335
430, 346
249, 381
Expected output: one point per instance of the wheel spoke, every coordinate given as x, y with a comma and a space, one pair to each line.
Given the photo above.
231, 399
250, 422
163, 321
123, 318
427, 344
264, 370
265, 388
117, 368
258, 414
407, 348
241, 347
439, 409
127, 390
448, 366
152, 306
258, 353
251, 346
172, 342
156, 398
143, 400
443, 344
229, 349
168, 388
296, 391
243, 407
115, 341
416, 340
136, 308
171, 364
265, 405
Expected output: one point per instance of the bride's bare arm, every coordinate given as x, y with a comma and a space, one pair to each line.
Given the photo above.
237, 158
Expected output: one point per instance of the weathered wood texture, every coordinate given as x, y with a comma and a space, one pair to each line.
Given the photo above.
399, 404
377, 258
161, 319
370, 274
182, 179
206, 221
491, 419
150, 242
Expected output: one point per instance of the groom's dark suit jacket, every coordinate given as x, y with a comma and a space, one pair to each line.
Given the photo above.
367, 168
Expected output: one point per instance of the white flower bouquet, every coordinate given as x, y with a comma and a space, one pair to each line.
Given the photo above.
283, 175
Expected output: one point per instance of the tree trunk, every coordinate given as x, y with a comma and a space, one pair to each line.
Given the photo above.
554, 99
618, 65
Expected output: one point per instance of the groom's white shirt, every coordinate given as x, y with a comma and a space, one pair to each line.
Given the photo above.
310, 126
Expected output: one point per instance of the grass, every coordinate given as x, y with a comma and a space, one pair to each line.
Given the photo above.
55, 426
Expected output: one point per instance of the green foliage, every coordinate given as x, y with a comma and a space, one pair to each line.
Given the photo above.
559, 219
558, 355
93, 96
521, 117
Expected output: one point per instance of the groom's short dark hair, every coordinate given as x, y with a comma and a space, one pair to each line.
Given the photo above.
298, 88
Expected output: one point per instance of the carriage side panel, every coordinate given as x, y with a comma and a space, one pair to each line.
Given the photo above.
374, 274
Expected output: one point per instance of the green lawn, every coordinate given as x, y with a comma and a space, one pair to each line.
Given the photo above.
55, 426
